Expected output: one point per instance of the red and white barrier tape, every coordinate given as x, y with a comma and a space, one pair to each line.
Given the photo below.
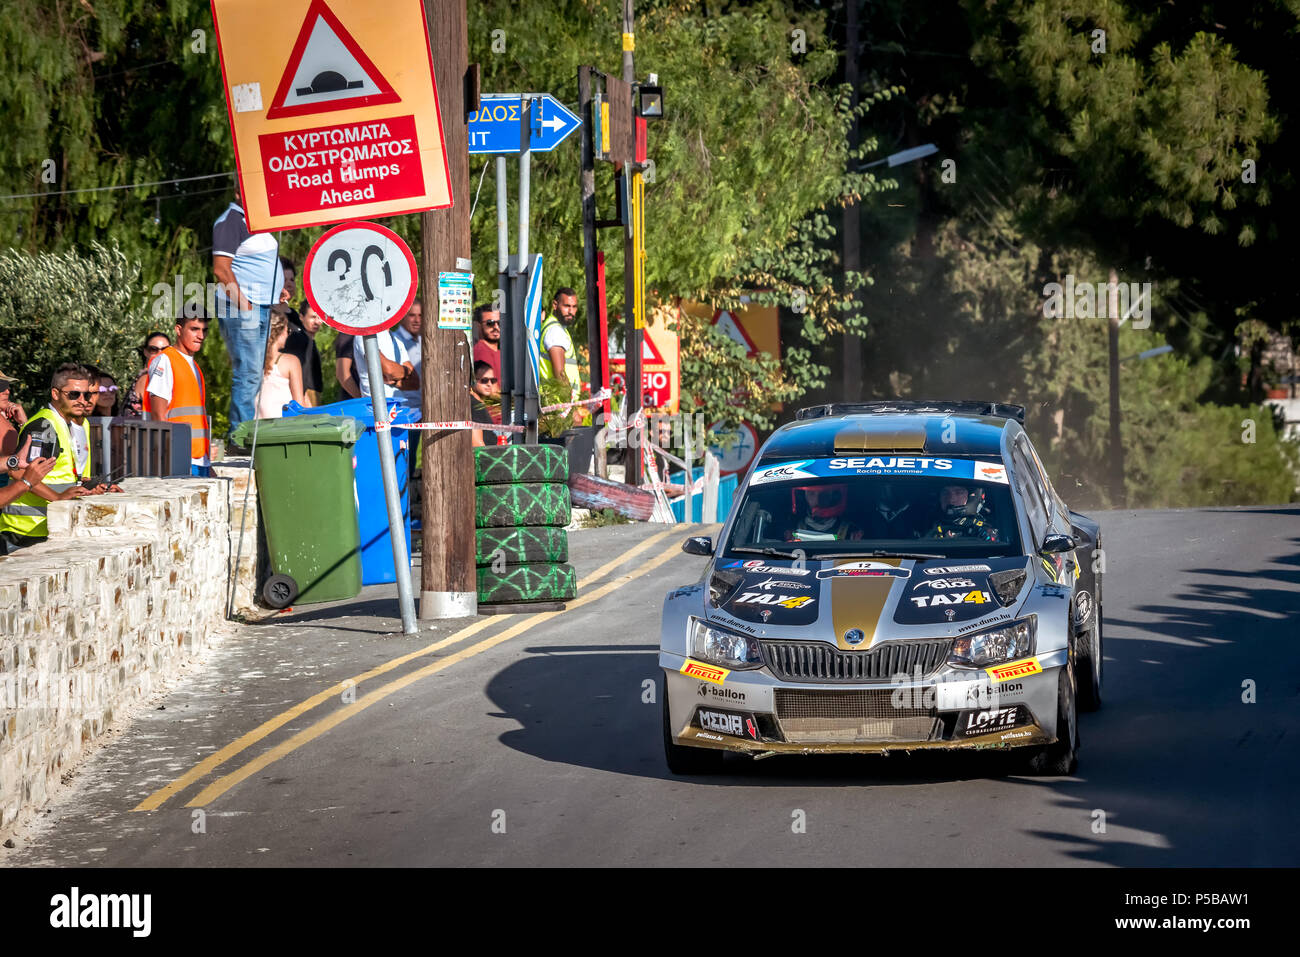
596, 399
448, 426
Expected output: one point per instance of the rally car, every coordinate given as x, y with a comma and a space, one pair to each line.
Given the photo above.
894, 576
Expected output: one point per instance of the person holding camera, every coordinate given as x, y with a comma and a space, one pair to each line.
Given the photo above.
59, 431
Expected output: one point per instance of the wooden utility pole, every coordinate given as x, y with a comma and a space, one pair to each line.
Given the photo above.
852, 227
448, 587
1116, 443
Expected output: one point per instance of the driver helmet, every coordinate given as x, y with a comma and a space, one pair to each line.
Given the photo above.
824, 501
957, 501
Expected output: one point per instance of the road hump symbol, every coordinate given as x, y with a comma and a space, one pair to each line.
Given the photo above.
727, 324
328, 70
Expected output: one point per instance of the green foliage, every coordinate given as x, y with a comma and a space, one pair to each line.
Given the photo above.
69, 307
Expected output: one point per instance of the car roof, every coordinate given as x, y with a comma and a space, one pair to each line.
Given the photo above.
874, 433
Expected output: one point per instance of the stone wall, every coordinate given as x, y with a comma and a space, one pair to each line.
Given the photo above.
128, 587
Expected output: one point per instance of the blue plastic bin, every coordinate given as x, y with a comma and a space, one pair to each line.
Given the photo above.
726, 493
372, 512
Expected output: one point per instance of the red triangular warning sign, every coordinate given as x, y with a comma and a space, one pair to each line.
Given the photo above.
650, 354
327, 71
727, 325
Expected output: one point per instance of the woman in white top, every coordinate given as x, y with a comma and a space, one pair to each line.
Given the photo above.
281, 373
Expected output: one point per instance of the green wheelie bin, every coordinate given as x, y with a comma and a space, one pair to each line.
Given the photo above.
306, 496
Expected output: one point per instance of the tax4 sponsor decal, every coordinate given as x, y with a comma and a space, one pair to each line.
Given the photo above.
1015, 669
697, 669
864, 569
975, 597
732, 723
767, 598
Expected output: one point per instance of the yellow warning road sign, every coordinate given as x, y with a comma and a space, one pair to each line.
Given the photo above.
333, 109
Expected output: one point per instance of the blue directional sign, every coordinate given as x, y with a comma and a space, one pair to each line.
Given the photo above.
494, 126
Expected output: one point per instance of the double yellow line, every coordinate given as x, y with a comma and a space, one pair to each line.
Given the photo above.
245, 741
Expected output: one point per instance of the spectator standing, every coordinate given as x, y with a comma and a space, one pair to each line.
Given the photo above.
408, 331
399, 374
559, 359
488, 347
250, 280
12, 417
58, 431
136, 405
281, 372
178, 393
303, 327
345, 368
290, 293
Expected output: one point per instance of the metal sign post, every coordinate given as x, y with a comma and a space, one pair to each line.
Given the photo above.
392, 497
361, 278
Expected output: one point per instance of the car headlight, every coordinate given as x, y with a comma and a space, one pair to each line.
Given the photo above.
724, 647
1004, 643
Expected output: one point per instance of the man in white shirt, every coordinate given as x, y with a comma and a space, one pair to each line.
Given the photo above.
398, 371
407, 332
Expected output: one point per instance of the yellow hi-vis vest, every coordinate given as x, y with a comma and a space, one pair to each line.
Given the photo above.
570, 356
25, 515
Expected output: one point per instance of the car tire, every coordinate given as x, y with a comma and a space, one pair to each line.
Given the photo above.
1062, 757
687, 761
1090, 666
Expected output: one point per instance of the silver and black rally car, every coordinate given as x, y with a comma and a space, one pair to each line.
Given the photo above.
893, 576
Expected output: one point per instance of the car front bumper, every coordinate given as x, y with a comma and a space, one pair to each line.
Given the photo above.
754, 712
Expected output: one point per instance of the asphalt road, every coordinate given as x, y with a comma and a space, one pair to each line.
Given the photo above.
538, 748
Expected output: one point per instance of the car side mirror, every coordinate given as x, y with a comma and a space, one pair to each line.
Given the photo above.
1058, 543
698, 545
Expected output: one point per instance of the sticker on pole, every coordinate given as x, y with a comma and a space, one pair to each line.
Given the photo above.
361, 278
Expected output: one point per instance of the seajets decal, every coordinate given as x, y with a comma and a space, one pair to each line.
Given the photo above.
864, 570
970, 597
784, 472
894, 463
785, 601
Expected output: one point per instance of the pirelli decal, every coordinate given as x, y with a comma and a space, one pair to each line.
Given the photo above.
1015, 669
695, 669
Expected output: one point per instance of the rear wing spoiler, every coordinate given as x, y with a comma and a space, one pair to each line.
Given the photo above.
999, 410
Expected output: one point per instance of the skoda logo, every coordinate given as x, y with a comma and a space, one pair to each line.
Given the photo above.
854, 636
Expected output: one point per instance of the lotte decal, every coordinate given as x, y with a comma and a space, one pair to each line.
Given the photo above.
333, 110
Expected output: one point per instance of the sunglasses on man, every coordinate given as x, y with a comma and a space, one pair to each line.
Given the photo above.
75, 394
491, 322
487, 381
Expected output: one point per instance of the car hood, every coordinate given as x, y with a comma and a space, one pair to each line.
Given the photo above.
858, 602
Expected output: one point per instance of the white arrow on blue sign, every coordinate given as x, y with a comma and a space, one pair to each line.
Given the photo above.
494, 126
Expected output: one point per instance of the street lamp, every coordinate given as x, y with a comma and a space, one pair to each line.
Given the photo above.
906, 156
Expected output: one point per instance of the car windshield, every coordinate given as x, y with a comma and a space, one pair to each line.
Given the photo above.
821, 508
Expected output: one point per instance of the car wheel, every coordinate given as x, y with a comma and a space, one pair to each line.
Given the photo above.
687, 761
1090, 666
1062, 757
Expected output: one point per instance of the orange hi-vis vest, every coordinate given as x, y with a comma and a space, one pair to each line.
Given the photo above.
188, 404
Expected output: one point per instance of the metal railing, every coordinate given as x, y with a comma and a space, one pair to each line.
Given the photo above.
132, 448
